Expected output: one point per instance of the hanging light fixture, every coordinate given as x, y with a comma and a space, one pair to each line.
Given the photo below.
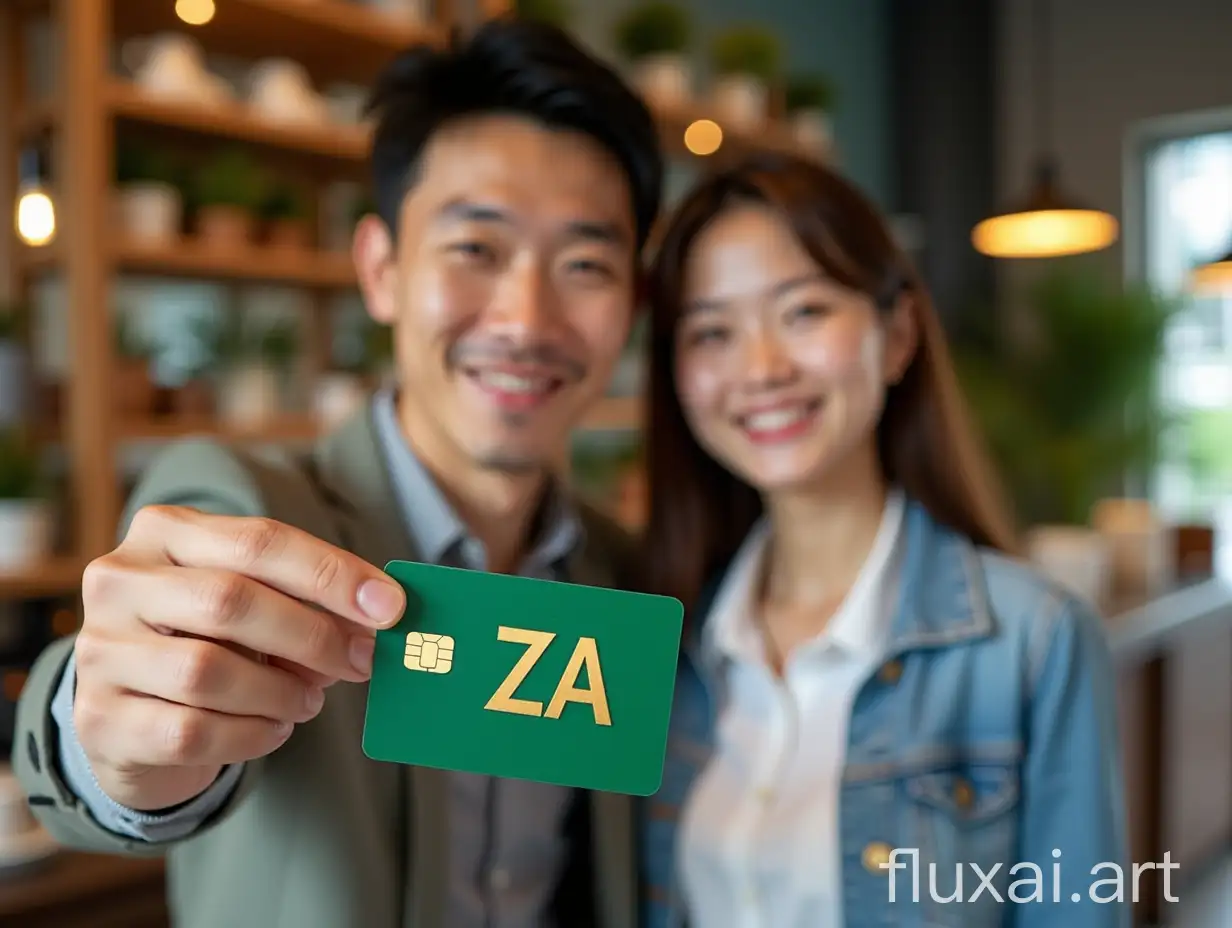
34, 212
1213, 276
1047, 223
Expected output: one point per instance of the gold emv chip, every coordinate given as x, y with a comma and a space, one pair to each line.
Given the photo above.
430, 653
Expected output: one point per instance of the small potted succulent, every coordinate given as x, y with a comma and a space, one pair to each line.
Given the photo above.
809, 101
14, 369
287, 227
228, 192
746, 62
364, 366
133, 388
149, 202
254, 363
25, 511
653, 37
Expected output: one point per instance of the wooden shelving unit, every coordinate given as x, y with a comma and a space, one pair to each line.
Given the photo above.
335, 41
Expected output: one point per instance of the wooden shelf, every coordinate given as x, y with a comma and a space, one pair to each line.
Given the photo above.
187, 258
232, 120
54, 578
334, 40
254, 263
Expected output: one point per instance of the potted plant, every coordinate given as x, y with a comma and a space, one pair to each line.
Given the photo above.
552, 12
253, 364
228, 191
14, 370
653, 37
746, 61
25, 511
808, 101
149, 204
364, 366
134, 392
1067, 402
286, 216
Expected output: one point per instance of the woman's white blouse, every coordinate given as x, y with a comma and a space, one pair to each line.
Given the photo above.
759, 832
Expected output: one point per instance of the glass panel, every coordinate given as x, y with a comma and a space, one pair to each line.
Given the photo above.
1189, 220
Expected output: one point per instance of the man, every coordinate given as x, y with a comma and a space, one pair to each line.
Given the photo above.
211, 706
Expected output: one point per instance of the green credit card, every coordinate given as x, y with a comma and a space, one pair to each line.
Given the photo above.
529, 679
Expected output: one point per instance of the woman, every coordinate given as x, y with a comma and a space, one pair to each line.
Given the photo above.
879, 709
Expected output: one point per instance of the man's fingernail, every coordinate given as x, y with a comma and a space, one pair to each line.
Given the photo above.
362, 649
382, 601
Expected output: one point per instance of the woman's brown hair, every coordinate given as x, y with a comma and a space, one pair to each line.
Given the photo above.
699, 511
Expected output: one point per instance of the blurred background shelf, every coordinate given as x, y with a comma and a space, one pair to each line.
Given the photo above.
191, 259
307, 268
51, 578
332, 39
232, 121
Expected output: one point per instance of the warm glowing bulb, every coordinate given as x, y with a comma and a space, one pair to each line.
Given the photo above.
195, 12
1045, 233
703, 137
36, 218
1213, 279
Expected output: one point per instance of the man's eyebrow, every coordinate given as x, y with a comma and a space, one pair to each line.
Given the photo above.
591, 230
469, 211
607, 233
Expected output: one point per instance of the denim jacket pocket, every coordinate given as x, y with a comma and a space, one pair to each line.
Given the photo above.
964, 820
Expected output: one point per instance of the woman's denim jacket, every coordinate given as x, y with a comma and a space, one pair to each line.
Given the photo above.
987, 742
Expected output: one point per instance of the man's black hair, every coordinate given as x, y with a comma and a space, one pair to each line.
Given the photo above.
510, 66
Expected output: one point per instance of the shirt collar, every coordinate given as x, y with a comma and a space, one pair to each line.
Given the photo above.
434, 525
860, 624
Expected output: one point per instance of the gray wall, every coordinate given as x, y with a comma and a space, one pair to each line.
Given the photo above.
845, 39
1114, 63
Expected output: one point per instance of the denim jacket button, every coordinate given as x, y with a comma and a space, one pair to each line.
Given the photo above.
876, 856
963, 794
890, 672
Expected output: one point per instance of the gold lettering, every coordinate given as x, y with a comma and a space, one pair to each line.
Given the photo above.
586, 653
537, 642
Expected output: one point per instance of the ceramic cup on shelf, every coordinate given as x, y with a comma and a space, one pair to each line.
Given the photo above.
149, 212
1140, 545
172, 65
665, 80
740, 100
26, 533
811, 130
336, 396
281, 91
249, 397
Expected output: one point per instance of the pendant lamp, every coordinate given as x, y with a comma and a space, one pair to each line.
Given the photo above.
1214, 276
1047, 222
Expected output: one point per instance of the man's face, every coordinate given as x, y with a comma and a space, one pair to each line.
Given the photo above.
511, 287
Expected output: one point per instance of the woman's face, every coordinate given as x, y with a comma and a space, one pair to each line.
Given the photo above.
782, 372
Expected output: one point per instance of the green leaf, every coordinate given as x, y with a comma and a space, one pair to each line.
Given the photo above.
653, 28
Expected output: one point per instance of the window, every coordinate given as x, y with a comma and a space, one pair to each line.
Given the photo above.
1184, 177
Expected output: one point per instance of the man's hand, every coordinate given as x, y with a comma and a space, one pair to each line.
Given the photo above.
206, 639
